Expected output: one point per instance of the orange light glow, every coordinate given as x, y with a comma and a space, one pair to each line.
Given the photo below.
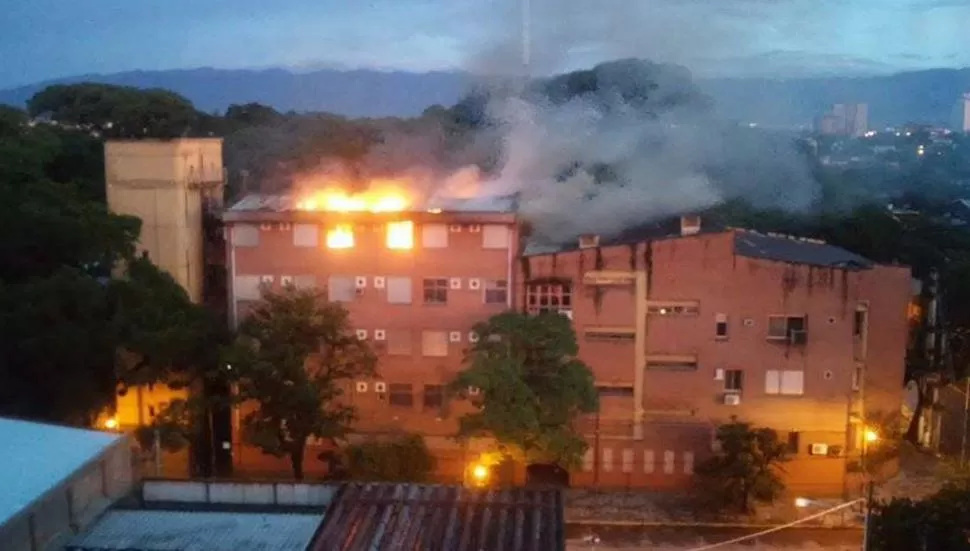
340, 237
385, 200
400, 235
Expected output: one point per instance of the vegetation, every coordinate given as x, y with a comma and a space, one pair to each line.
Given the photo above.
402, 459
532, 388
292, 356
745, 469
938, 522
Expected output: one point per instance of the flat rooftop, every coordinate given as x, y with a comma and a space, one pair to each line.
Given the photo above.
197, 531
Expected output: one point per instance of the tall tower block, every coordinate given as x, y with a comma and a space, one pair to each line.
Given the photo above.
169, 185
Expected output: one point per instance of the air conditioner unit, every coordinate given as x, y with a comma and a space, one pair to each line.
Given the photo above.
472, 336
266, 280
749, 322
266, 226
732, 399
379, 282
819, 449
380, 335
567, 313
362, 334
718, 374
474, 284
455, 228
380, 387
475, 228
474, 391
589, 241
798, 338
284, 226
454, 283
360, 282
361, 386
454, 336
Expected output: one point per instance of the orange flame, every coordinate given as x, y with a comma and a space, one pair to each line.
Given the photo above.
380, 198
340, 237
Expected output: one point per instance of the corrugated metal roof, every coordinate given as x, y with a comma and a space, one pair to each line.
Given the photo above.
446, 518
796, 251
197, 531
286, 203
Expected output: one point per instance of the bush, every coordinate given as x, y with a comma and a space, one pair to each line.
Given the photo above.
939, 523
404, 459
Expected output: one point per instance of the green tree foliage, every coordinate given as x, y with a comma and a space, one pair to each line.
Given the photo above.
116, 111
532, 387
293, 354
745, 469
403, 459
941, 521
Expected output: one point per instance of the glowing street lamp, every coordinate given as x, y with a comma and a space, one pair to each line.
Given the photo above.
871, 436
480, 473
111, 423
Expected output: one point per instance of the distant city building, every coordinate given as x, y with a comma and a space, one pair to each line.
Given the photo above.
965, 113
845, 119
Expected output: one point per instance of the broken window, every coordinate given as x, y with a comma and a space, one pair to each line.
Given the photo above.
434, 396
791, 328
548, 297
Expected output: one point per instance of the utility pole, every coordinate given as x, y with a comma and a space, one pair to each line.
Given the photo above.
866, 538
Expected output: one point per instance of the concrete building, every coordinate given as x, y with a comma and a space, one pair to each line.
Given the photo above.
415, 279
845, 119
56, 481
964, 114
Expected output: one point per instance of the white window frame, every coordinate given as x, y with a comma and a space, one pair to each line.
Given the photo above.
776, 385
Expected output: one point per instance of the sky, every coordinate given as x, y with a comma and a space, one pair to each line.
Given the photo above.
44, 39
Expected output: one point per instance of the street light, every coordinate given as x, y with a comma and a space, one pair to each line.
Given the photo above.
872, 436
111, 423
480, 473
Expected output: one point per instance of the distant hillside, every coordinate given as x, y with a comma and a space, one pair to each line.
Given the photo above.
922, 96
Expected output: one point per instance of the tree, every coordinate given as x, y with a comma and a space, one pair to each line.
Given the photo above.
941, 521
403, 459
744, 470
532, 387
291, 358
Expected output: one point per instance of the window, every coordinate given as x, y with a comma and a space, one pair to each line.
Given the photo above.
857, 377
688, 462
672, 363
306, 235
434, 344
669, 462
399, 342
496, 292
246, 288
245, 235
688, 308
627, 461
733, 380
615, 391
588, 460
721, 326
782, 327
398, 290
495, 236
648, 461
434, 396
340, 237
794, 439
341, 289
399, 394
305, 281
607, 459
436, 290
788, 383
400, 235
548, 297
859, 323
434, 236
613, 334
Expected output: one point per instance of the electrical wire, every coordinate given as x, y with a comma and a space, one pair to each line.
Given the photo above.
780, 528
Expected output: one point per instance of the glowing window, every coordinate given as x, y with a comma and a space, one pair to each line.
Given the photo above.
340, 237
400, 235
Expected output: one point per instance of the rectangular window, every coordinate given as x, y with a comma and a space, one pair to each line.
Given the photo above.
782, 327
733, 380
548, 297
615, 391
245, 235
398, 290
688, 462
495, 236
627, 461
306, 235
672, 363
669, 462
609, 334
305, 281
399, 342
400, 395
794, 439
649, 461
496, 291
436, 290
607, 460
246, 288
341, 289
681, 308
434, 236
857, 377
588, 460
721, 326
788, 383
859, 322
434, 396
400, 235
434, 344
340, 237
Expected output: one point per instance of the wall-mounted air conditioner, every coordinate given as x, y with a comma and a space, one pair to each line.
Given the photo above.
819, 449
362, 334
361, 386
475, 228
266, 226
284, 226
718, 374
455, 228
472, 336
454, 283
798, 338
360, 282
380, 387
474, 284
454, 336
380, 335
379, 282
266, 280
732, 399
286, 281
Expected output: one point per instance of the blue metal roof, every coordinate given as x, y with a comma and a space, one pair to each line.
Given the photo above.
795, 250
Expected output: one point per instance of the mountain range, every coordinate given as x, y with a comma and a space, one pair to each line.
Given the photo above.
929, 96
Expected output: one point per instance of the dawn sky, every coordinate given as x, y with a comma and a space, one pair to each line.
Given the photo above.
42, 39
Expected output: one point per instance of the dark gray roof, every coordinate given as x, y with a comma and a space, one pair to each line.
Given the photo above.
795, 250
445, 518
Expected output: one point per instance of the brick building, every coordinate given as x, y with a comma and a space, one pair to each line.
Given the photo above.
682, 328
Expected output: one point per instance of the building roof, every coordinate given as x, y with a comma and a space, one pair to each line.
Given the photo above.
282, 203
197, 531
794, 250
434, 517
38, 457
